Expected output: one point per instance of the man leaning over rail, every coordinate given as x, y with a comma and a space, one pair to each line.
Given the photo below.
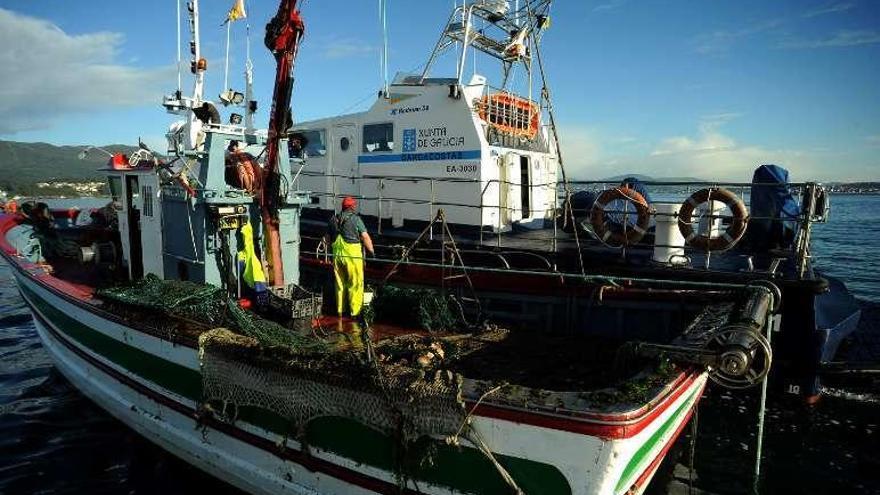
347, 233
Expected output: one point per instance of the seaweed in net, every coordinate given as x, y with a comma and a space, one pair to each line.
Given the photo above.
425, 309
208, 305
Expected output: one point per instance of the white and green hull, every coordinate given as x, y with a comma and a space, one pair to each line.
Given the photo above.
153, 385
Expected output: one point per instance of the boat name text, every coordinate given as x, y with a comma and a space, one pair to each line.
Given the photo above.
430, 137
400, 111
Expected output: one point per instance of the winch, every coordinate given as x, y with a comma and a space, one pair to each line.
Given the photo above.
729, 343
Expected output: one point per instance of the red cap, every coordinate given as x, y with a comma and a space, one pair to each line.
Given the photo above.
349, 203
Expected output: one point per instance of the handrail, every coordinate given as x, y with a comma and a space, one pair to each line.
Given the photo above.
800, 248
416, 179
417, 201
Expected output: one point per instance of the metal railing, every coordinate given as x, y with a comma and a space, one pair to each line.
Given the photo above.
806, 195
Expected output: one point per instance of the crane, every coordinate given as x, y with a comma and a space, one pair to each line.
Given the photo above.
283, 35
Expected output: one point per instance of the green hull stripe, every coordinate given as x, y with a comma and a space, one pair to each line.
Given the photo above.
171, 376
464, 469
640, 457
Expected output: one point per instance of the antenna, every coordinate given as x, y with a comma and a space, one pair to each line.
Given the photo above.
179, 55
383, 56
249, 80
196, 49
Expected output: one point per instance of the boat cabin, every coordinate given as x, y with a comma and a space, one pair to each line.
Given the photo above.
481, 155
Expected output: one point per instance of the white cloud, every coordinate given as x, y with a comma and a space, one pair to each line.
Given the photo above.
709, 153
838, 39
721, 40
708, 140
609, 6
829, 9
712, 154
51, 74
346, 47
581, 151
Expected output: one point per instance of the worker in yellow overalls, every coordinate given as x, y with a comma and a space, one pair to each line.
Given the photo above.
348, 235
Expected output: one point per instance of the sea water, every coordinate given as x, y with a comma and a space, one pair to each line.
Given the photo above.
54, 440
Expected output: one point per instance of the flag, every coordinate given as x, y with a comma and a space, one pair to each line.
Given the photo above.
543, 22
236, 12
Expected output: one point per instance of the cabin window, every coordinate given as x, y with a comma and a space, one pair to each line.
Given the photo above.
315, 142
344, 143
378, 138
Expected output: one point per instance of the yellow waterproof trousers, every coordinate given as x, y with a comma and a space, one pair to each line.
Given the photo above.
348, 269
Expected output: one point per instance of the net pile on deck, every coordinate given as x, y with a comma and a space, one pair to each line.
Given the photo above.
396, 394
247, 361
207, 305
403, 401
425, 309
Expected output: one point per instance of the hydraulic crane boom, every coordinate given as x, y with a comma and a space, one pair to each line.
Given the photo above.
283, 35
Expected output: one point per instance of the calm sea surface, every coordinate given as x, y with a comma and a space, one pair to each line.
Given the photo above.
53, 440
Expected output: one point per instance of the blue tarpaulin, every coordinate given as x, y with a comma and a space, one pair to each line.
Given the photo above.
773, 209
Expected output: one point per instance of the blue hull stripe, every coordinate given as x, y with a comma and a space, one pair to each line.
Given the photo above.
421, 157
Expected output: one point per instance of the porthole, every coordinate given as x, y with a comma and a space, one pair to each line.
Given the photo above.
344, 144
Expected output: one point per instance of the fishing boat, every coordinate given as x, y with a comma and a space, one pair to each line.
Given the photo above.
541, 248
152, 307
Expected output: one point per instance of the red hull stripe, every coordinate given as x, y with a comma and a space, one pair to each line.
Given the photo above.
607, 431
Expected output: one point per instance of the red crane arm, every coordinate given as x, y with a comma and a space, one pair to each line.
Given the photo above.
283, 35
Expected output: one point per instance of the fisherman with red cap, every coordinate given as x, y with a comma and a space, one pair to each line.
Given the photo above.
347, 233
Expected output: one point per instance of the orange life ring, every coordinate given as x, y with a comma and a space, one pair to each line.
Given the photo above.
705, 241
601, 225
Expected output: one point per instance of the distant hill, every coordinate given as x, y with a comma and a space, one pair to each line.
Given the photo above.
24, 164
648, 178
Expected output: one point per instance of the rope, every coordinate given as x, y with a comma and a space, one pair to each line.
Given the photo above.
467, 418
470, 433
545, 95
477, 440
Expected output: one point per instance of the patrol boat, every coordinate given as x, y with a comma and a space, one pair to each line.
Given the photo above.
152, 307
544, 250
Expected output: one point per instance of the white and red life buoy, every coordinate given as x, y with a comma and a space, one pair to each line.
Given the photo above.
628, 234
705, 241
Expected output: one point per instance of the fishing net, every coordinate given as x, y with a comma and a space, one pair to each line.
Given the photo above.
424, 309
403, 401
207, 305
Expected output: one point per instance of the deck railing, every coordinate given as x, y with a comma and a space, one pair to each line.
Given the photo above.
670, 192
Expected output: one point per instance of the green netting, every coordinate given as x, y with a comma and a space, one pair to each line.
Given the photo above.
208, 305
425, 309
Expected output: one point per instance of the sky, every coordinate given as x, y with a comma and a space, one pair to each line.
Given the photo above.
665, 88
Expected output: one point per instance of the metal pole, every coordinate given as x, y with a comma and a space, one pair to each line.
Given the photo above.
199, 86
226, 63
379, 187
500, 185
762, 408
467, 33
431, 213
179, 57
555, 194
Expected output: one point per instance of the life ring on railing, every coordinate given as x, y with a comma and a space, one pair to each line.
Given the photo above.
705, 241
626, 236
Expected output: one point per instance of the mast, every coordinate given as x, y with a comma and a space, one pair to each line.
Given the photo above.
283, 34
197, 66
251, 105
502, 34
